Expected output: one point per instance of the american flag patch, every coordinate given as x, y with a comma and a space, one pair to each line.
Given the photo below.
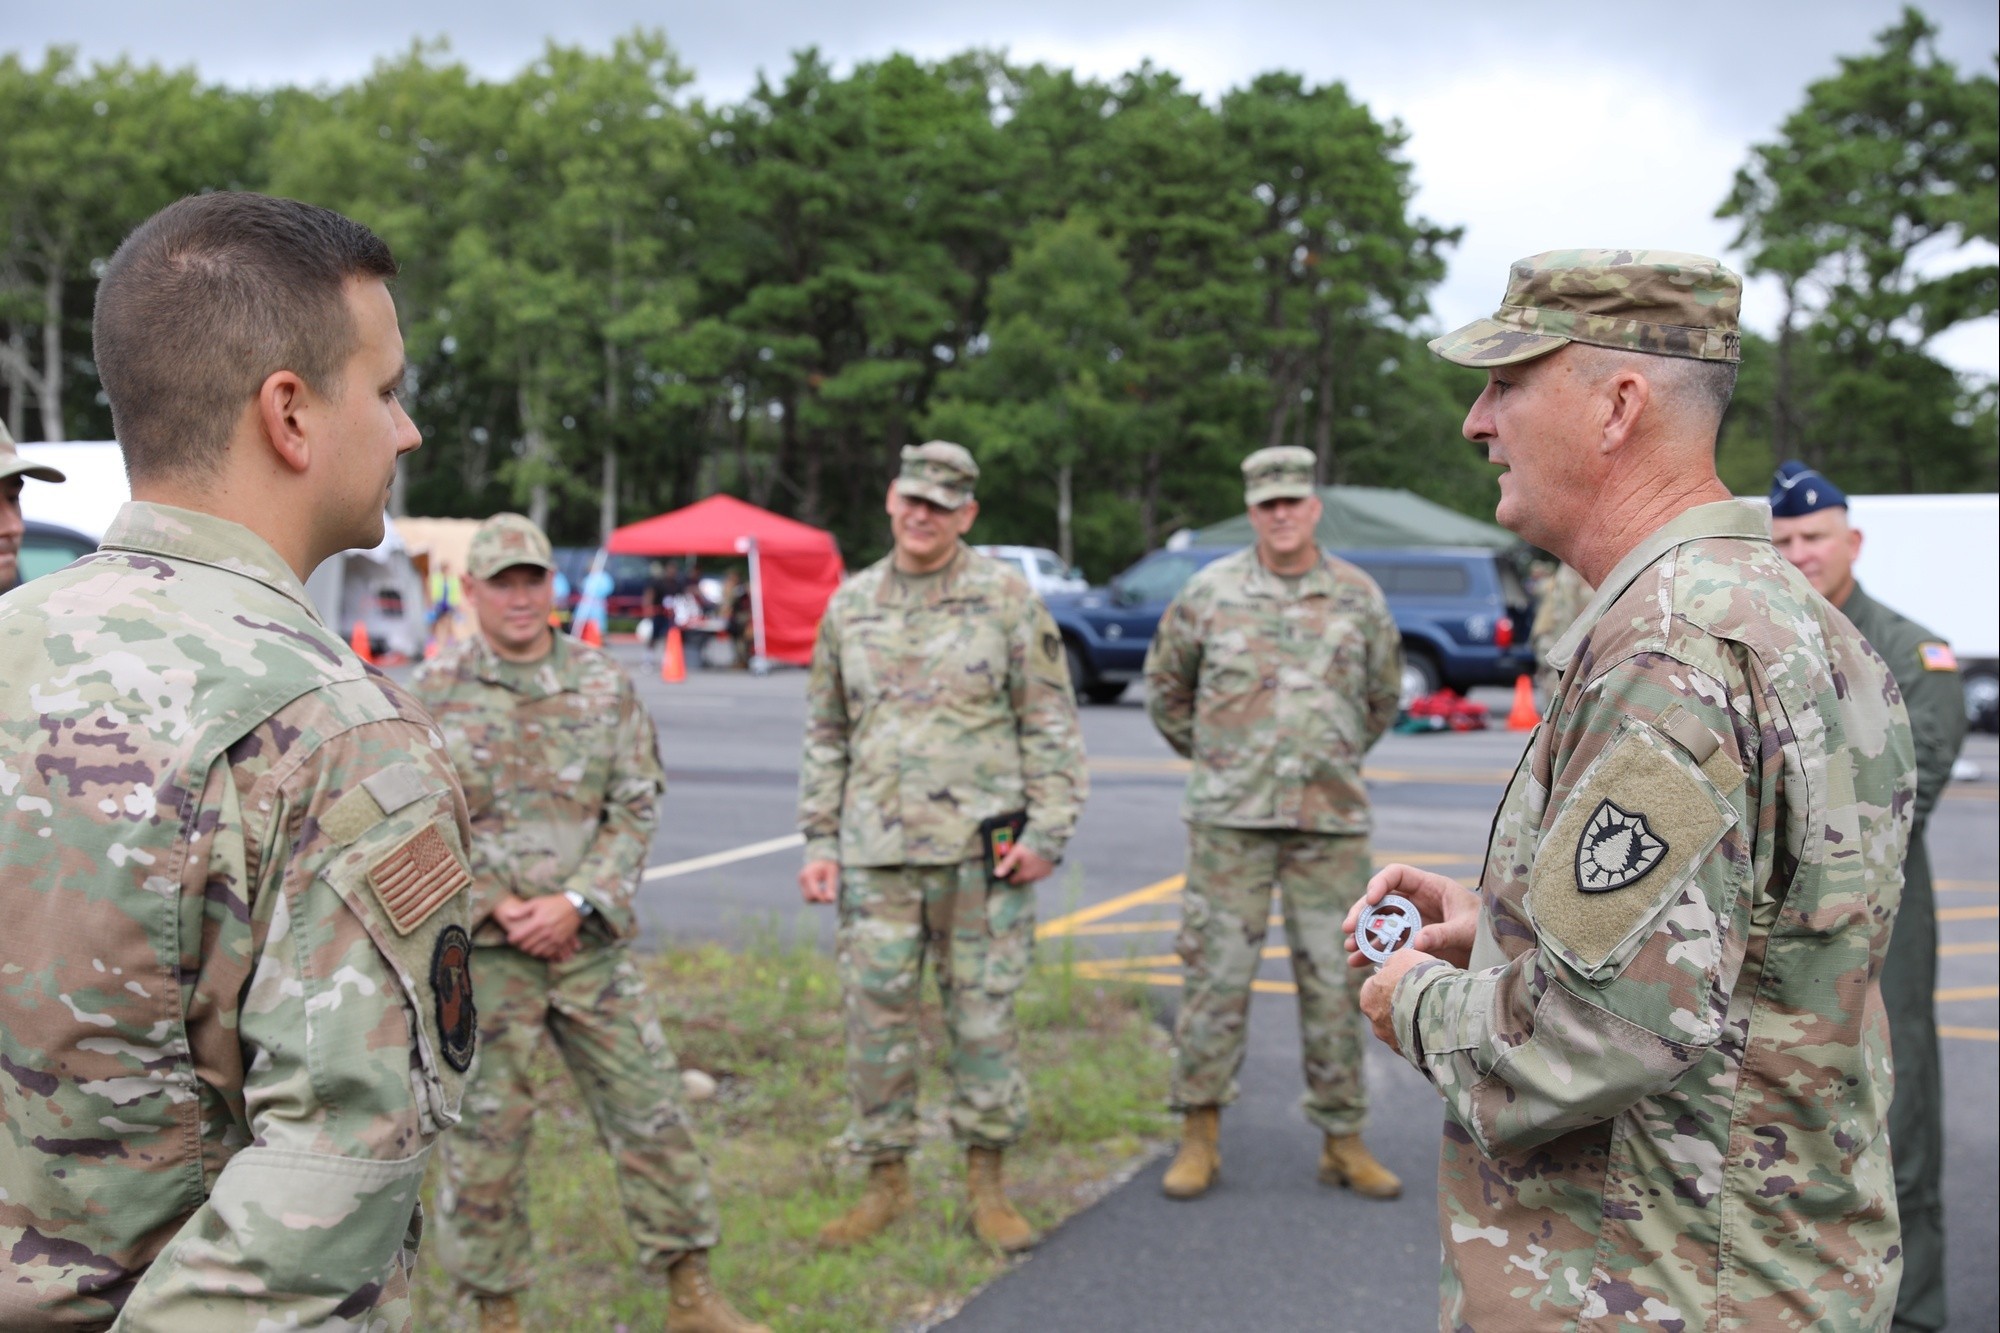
417, 878
1937, 657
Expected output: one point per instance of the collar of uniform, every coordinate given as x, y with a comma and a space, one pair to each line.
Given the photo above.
1724, 518
1315, 582
186, 534
945, 576
551, 673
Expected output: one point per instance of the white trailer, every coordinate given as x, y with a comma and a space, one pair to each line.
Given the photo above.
1936, 559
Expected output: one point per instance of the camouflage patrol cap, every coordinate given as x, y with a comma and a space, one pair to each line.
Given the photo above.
941, 472
506, 540
1658, 301
13, 465
1282, 472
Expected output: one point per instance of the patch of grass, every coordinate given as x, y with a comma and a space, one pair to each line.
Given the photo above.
766, 1023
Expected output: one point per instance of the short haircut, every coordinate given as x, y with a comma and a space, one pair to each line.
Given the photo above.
205, 301
1681, 383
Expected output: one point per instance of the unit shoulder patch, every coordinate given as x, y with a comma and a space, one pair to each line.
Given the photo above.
1051, 646
416, 877
451, 983
1617, 848
1937, 656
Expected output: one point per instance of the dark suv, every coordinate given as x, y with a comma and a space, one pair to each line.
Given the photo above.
1462, 611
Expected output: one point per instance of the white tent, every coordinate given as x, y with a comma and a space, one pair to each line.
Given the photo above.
378, 588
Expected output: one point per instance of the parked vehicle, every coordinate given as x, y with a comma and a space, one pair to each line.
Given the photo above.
1462, 613
47, 547
1042, 568
629, 574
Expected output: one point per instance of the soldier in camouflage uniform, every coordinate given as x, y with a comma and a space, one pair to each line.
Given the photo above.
235, 1008
563, 781
939, 698
1561, 602
1809, 525
13, 468
1274, 670
1657, 1027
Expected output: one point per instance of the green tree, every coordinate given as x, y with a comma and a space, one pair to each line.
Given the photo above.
1883, 175
90, 153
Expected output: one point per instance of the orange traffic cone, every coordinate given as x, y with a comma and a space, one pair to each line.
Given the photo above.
673, 667
1523, 717
592, 635
359, 642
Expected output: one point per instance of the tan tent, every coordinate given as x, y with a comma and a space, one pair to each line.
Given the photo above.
441, 543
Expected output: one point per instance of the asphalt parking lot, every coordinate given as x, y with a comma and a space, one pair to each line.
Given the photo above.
1269, 1248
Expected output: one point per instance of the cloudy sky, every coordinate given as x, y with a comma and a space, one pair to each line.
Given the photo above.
1533, 124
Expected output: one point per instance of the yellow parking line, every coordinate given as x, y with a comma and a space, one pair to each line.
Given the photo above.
1162, 765
1970, 913
1971, 1034
1152, 893
1980, 792
1982, 886
1951, 993
1969, 946
1123, 928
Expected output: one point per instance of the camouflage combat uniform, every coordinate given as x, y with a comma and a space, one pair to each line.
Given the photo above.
1927, 675
1276, 688
935, 702
1666, 1069
563, 780
234, 996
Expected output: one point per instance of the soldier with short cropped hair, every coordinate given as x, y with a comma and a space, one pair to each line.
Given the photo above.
235, 996
1275, 670
563, 783
942, 775
1657, 1027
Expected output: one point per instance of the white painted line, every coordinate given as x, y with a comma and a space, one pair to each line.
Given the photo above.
714, 859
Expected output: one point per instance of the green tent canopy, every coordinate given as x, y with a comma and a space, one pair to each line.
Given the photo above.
1362, 517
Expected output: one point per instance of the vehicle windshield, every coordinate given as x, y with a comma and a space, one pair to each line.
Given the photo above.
1157, 578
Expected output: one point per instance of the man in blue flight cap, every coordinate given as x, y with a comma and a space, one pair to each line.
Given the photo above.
1810, 526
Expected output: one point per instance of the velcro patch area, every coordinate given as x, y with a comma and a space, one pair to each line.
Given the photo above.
351, 816
1626, 842
416, 877
396, 786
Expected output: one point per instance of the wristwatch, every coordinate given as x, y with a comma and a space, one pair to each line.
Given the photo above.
579, 902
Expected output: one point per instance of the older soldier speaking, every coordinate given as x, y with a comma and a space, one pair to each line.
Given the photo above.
1657, 1026
563, 781
235, 1009
942, 776
1809, 524
1275, 670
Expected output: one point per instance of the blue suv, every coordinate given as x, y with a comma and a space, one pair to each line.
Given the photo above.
1462, 611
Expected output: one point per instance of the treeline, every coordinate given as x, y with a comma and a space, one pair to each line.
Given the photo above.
618, 298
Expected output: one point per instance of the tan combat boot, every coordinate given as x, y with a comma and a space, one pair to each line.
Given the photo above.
499, 1314
994, 1219
1345, 1160
696, 1306
886, 1199
1198, 1164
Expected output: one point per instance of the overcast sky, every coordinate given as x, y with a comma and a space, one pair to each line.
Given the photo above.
1533, 124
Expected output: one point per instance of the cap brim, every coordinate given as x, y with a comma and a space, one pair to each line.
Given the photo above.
39, 471
1286, 490
1486, 342
528, 562
937, 495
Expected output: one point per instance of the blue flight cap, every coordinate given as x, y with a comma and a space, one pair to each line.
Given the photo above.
1797, 490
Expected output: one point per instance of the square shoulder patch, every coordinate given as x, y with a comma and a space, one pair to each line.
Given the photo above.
1626, 842
416, 877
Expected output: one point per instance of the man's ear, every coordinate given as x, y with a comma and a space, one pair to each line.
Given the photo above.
1626, 395
282, 403
970, 511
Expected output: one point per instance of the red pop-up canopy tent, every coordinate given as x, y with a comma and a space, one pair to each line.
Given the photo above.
794, 567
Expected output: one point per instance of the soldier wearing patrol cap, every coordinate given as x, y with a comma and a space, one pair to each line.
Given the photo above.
235, 1009
1809, 524
1657, 1027
1274, 670
942, 774
13, 468
563, 780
